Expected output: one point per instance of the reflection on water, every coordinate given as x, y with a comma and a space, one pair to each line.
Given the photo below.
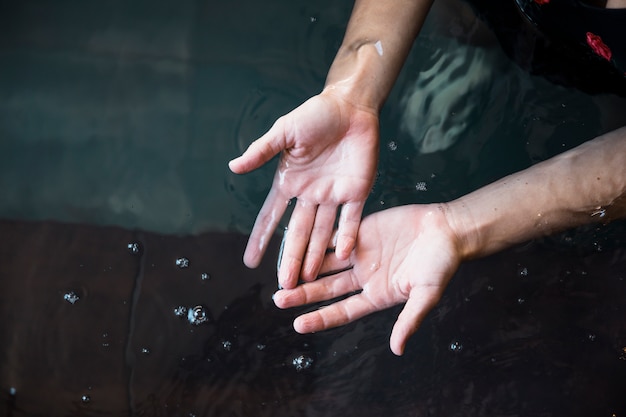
126, 114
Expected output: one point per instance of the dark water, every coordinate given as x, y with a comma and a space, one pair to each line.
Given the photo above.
116, 123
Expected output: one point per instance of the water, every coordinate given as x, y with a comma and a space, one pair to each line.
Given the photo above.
117, 123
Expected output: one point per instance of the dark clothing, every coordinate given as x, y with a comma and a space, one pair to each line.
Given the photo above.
567, 41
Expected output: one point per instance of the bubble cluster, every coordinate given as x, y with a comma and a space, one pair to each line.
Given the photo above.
197, 315
421, 186
392, 145
105, 341
71, 297
182, 263
180, 311
302, 363
227, 345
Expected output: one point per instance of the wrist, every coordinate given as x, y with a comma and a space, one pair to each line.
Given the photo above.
464, 228
359, 75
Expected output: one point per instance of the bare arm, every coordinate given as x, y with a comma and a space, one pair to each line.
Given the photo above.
586, 184
377, 41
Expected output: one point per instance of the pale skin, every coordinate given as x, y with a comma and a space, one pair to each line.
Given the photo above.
329, 151
329, 145
409, 254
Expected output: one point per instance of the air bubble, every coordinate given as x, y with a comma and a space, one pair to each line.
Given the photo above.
12, 391
392, 145
85, 399
302, 363
134, 248
180, 311
146, 351
522, 272
197, 315
182, 263
227, 345
205, 277
71, 297
260, 346
455, 346
521, 301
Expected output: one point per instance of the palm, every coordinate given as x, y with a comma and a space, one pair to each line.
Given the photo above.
328, 160
406, 254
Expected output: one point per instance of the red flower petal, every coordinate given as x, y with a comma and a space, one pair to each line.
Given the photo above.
599, 47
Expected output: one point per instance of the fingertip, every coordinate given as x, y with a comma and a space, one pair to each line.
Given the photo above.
251, 259
279, 299
301, 325
397, 343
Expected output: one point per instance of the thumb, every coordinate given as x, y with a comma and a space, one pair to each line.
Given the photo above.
260, 151
409, 321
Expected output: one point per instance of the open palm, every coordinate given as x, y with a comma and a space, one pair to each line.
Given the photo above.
329, 153
402, 255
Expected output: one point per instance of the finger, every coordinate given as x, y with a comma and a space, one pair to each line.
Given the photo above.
269, 216
297, 239
409, 320
318, 243
349, 221
323, 289
261, 150
334, 315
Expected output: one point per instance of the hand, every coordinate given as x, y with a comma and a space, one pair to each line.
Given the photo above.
329, 153
404, 254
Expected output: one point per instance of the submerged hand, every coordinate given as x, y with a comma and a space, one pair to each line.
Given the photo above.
405, 254
329, 153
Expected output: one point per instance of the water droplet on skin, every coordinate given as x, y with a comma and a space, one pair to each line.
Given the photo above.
197, 315
455, 346
134, 248
302, 363
180, 311
182, 263
205, 277
85, 399
71, 297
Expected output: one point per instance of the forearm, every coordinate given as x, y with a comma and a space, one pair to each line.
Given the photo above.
584, 185
377, 41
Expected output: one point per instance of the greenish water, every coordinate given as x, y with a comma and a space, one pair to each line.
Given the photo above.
127, 113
